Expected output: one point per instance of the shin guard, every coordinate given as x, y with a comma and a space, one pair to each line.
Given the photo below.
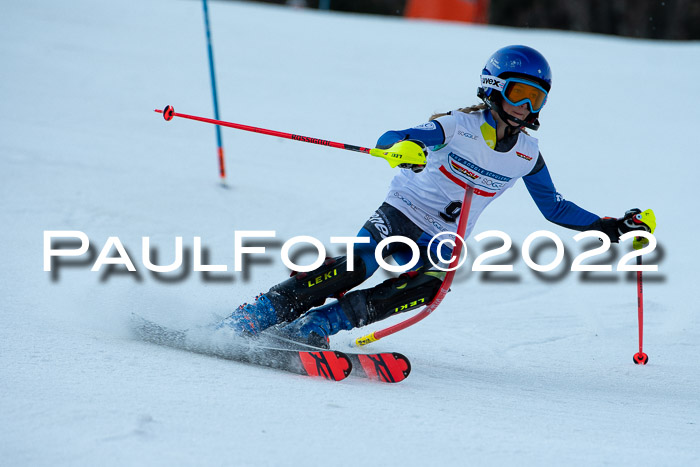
307, 290
406, 292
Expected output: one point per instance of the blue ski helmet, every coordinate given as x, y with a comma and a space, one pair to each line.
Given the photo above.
520, 63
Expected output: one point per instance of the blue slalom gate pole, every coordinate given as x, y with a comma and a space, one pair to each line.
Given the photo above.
222, 167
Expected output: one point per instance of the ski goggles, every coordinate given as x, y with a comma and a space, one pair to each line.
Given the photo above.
517, 91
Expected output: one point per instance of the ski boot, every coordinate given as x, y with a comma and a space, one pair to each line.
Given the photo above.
315, 327
362, 307
251, 318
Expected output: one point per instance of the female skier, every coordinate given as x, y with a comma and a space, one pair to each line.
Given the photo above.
483, 147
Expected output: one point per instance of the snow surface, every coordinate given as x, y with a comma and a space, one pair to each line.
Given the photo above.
521, 370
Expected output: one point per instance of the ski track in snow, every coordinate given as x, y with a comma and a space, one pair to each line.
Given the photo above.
522, 371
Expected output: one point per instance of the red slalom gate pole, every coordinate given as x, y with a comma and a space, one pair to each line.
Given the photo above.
640, 358
444, 288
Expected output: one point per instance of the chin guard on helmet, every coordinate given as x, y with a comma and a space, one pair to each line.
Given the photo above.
493, 103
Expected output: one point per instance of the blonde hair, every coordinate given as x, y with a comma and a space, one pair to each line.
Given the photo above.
466, 110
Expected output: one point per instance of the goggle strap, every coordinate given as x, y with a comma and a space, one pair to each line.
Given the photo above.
493, 82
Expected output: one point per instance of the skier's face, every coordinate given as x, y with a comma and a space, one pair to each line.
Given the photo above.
520, 111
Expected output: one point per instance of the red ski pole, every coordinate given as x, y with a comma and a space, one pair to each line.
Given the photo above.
647, 219
640, 358
410, 153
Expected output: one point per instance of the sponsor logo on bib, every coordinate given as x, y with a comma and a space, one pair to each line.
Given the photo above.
426, 126
467, 135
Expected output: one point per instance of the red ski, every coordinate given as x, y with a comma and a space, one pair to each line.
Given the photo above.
389, 367
328, 364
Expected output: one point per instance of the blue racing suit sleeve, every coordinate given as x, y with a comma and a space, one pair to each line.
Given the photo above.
552, 205
430, 135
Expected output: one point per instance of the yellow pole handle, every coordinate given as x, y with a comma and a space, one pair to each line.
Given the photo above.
403, 152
